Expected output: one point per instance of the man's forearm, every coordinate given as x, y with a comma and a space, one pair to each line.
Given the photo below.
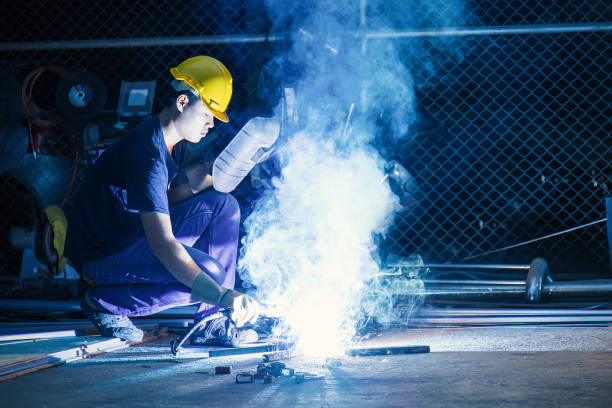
199, 178
180, 264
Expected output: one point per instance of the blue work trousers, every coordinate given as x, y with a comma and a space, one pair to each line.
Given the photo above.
133, 282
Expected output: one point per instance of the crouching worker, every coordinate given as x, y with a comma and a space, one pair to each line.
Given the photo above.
135, 219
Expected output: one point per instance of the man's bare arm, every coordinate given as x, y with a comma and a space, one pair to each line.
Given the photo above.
199, 178
172, 254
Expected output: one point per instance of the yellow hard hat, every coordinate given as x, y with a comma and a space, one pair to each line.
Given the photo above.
210, 79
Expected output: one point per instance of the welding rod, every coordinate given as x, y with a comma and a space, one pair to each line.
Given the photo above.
348, 118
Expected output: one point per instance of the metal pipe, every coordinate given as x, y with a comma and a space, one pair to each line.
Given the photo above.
587, 289
472, 282
458, 266
578, 288
525, 311
139, 42
468, 291
499, 30
507, 320
258, 38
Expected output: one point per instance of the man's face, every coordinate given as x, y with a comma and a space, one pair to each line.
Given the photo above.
194, 120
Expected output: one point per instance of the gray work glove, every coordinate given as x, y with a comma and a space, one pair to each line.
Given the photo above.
241, 307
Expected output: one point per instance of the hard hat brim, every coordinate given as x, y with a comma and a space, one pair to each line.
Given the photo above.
222, 116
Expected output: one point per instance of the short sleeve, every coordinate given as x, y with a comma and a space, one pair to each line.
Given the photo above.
147, 187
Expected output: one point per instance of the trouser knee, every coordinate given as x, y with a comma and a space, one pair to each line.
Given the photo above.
209, 265
227, 207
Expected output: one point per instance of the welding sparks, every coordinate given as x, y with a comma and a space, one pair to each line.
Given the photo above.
309, 241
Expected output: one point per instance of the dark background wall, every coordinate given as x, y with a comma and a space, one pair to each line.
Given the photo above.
512, 139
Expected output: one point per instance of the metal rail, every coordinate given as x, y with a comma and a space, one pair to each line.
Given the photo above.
139, 42
263, 38
499, 30
510, 320
473, 282
456, 288
458, 266
517, 311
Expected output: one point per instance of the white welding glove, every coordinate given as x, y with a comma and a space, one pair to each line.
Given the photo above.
242, 308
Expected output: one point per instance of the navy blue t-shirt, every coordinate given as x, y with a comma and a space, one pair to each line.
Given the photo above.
132, 175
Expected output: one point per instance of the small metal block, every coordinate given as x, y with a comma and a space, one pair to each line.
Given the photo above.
381, 351
223, 370
276, 368
299, 378
244, 378
333, 363
268, 379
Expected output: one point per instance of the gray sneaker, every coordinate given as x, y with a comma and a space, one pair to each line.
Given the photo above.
110, 325
223, 332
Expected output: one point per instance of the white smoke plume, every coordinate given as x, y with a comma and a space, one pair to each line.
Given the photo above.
308, 245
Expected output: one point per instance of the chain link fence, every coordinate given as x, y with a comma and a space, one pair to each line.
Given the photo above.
513, 139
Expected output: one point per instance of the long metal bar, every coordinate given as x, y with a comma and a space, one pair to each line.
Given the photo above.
525, 311
458, 266
499, 30
60, 357
507, 320
66, 356
384, 351
259, 38
536, 239
473, 282
266, 348
139, 42
40, 305
594, 288
39, 335
474, 290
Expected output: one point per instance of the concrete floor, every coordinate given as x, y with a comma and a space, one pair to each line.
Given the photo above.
468, 367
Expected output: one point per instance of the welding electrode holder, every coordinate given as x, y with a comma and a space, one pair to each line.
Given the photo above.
176, 344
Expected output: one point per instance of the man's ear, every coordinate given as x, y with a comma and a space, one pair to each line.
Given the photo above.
181, 102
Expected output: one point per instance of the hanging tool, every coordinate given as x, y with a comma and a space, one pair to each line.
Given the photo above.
38, 120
